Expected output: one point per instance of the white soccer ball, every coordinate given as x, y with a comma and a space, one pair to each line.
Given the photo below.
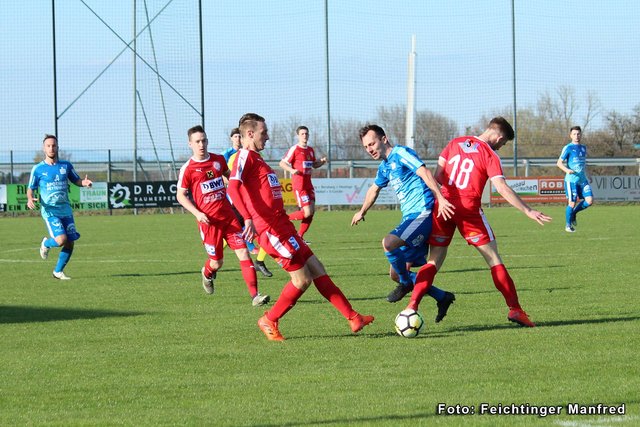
408, 323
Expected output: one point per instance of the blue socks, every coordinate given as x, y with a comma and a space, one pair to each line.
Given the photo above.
580, 207
51, 243
399, 263
570, 213
63, 259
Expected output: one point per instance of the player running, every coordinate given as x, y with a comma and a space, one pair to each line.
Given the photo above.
257, 194
464, 166
201, 176
50, 178
576, 183
300, 161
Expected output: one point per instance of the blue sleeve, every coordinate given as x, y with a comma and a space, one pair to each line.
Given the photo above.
564, 155
34, 179
409, 158
382, 180
72, 175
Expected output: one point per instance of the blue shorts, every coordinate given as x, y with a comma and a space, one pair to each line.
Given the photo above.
415, 255
62, 225
414, 229
577, 190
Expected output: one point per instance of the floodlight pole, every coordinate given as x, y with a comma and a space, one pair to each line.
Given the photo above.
201, 64
135, 99
326, 52
410, 125
515, 106
55, 74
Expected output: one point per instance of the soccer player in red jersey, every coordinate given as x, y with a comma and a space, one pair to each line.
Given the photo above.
464, 166
300, 161
201, 176
257, 194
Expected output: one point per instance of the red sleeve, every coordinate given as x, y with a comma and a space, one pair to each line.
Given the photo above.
234, 192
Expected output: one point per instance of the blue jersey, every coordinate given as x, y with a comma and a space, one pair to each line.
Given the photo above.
51, 183
399, 170
576, 157
228, 153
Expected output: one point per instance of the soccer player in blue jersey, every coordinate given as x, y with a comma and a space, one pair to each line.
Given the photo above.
415, 188
573, 162
234, 136
50, 178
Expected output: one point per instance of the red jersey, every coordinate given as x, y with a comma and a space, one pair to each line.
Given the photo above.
468, 163
302, 160
260, 195
203, 179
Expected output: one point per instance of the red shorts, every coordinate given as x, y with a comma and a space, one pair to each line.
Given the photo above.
213, 233
305, 196
470, 222
281, 241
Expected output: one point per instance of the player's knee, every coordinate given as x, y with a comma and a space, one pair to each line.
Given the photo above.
588, 202
61, 239
215, 264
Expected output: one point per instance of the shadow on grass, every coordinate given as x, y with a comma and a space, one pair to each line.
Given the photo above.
546, 324
355, 420
26, 314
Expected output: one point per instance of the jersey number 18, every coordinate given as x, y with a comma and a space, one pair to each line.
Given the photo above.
461, 171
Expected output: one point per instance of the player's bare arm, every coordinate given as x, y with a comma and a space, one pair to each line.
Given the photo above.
369, 199
287, 167
31, 202
319, 162
515, 201
445, 208
561, 165
185, 201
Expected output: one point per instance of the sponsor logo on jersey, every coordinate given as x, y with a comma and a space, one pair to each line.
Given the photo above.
304, 198
210, 174
212, 185
216, 166
469, 147
273, 180
418, 240
294, 243
307, 164
63, 171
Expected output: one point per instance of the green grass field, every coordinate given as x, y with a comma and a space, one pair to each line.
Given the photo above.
134, 340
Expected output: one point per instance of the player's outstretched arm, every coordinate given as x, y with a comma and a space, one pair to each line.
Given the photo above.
445, 209
369, 199
515, 201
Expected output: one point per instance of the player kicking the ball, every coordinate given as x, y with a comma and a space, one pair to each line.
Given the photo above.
464, 166
257, 194
202, 176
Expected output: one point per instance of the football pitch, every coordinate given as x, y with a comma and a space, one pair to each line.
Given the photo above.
132, 339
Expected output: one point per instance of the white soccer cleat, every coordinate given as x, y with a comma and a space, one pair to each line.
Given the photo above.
259, 300
569, 229
44, 251
207, 284
60, 275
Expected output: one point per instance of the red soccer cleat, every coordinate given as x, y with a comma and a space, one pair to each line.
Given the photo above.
270, 329
359, 321
518, 316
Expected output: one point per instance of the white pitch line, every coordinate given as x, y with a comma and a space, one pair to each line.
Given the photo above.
85, 260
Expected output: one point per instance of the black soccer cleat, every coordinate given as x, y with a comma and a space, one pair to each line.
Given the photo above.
443, 306
399, 292
262, 268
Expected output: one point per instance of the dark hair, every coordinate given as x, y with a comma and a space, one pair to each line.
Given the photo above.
48, 136
234, 131
195, 129
301, 128
578, 128
250, 116
367, 128
503, 126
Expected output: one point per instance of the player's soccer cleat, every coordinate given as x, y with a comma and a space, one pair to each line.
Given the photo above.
569, 229
260, 300
574, 221
398, 293
443, 306
359, 321
262, 268
207, 284
270, 329
518, 316
60, 275
44, 251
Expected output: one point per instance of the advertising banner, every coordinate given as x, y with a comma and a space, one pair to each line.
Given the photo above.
349, 191
127, 195
534, 190
3, 198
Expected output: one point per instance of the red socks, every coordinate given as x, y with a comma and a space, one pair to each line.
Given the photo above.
424, 280
208, 271
249, 276
334, 295
287, 299
505, 285
304, 226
